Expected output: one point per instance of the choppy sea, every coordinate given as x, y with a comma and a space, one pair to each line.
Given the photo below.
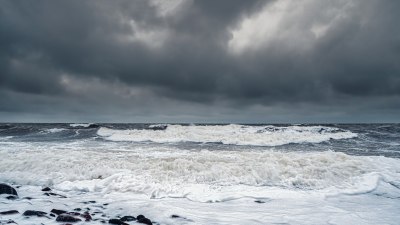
207, 173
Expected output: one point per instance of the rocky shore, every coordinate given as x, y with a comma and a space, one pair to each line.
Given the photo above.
93, 213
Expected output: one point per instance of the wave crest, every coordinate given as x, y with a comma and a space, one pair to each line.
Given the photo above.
229, 134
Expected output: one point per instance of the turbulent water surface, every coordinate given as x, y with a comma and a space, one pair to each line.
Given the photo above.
210, 174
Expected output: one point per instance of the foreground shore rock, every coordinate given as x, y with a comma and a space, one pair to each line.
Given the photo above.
7, 189
93, 211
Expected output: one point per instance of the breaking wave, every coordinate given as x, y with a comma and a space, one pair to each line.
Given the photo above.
228, 134
197, 175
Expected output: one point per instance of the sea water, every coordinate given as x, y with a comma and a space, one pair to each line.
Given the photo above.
207, 174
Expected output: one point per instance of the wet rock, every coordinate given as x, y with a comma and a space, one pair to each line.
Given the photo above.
86, 216
54, 194
117, 221
52, 215
7, 189
128, 218
67, 218
144, 220
9, 212
34, 213
259, 201
28, 198
73, 213
58, 211
140, 217
78, 209
11, 197
174, 216
46, 189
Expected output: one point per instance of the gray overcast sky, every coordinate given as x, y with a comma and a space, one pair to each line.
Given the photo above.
200, 61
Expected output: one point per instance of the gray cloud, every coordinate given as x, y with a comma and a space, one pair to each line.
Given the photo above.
200, 60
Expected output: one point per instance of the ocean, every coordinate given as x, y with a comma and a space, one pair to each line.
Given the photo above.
205, 173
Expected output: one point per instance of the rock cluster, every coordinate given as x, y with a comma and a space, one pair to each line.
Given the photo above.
66, 216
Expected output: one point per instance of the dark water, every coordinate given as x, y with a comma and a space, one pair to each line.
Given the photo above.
372, 139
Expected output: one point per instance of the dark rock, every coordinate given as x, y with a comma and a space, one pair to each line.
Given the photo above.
7, 189
145, 221
46, 189
128, 218
67, 218
11, 197
54, 194
34, 213
73, 213
117, 221
92, 201
86, 216
175, 216
259, 201
78, 209
28, 198
58, 211
105, 204
140, 217
9, 212
52, 215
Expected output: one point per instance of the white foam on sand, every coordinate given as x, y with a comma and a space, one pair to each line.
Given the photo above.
230, 134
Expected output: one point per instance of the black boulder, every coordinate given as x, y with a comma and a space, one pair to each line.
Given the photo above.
67, 218
128, 218
58, 211
9, 212
7, 189
34, 213
117, 221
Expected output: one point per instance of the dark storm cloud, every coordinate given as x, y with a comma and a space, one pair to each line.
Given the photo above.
234, 54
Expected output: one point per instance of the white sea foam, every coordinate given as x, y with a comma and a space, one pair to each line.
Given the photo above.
158, 181
230, 134
198, 175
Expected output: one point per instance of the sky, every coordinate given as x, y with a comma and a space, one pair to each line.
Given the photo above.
225, 61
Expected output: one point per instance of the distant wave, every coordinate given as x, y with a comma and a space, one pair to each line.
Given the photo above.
84, 125
232, 134
54, 130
